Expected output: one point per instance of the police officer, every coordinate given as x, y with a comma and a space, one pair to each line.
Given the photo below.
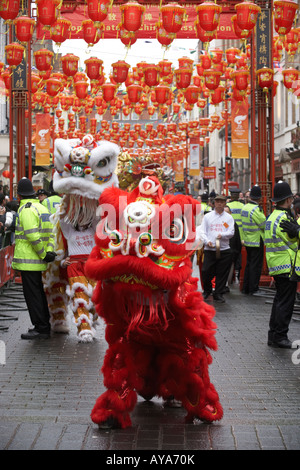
236, 207
204, 203
253, 224
33, 251
42, 195
52, 201
280, 256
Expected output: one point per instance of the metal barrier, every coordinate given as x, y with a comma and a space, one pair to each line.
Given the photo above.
8, 300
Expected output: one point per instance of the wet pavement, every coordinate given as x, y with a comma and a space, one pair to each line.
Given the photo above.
48, 388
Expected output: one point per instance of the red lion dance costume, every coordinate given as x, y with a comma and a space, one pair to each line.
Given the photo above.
158, 327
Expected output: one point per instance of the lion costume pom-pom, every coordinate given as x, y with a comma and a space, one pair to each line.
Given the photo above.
158, 327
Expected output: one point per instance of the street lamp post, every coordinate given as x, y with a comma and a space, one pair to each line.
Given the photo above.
226, 145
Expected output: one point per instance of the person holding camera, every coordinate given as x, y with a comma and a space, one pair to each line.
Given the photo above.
34, 249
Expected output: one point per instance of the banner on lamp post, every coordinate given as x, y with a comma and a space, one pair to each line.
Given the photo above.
239, 129
179, 169
42, 141
194, 157
209, 172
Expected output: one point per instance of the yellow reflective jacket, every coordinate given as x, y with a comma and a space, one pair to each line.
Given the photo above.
253, 224
52, 203
33, 236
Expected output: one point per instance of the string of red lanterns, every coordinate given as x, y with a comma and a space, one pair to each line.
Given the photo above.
148, 86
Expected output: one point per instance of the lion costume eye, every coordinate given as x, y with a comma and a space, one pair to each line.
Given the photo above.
176, 231
103, 163
109, 226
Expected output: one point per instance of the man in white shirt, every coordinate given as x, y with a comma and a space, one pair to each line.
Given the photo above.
215, 231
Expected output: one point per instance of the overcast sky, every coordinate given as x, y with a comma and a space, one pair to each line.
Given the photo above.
112, 50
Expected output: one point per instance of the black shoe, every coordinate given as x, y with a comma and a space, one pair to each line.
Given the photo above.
110, 423
219, 298
206, 295
283, 343
33, 334
226, 290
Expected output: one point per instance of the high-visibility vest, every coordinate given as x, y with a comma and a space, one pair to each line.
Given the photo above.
205, 207
280, 249
253, 224
33, 236
52, 203
236, 208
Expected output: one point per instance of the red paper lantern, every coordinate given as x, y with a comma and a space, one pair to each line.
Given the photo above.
183, 77
265, 78
284, 14
35, 82
108, 91
290, 77
134, 93
232, 55
97, 10
240, 78
14, 53
93, 68
162, 93
80, 76
90, 32
185, 62
81, 89
240, 33
70, 64
217, 95
172, 17
60, 30
212, 78
9, 10
165, 68
291, 42
132, 15
247, 13
191, 94
216, 56
201, 103
6, 174
24, 28
128, 38
53, 86
204, 36
43, 58
120, 71
151, 75
204, 64
204, 122
47, 11
151, 110
163, 37
238, 95
209, 15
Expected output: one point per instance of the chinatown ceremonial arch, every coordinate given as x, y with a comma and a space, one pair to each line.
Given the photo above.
263, 28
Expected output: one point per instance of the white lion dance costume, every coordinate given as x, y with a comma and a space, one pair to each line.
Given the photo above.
83, 169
